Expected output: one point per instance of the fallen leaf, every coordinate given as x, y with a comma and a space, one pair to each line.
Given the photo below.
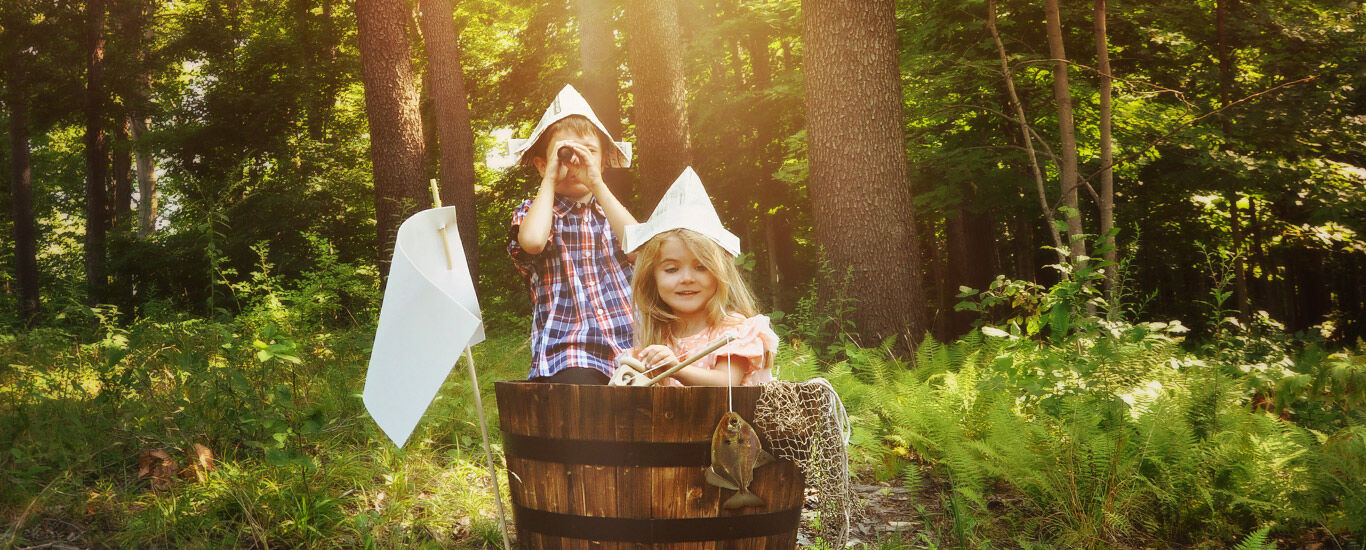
157, 465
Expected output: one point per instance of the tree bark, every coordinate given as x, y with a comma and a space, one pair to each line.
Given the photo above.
21, 197
661, 102
1023, 229
861, 201
391, 106
147, 178
122, 175
1062, 94
1107, 174
455, 138
95, 163
600, 83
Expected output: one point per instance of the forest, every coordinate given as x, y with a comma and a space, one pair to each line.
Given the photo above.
1084, 274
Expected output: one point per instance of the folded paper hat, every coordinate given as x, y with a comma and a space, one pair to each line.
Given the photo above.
569, 103
684, 206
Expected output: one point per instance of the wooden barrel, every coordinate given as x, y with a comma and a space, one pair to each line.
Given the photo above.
622, 467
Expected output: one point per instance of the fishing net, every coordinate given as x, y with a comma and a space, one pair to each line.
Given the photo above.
805, 422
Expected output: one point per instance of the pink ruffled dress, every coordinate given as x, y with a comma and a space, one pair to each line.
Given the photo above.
754, 341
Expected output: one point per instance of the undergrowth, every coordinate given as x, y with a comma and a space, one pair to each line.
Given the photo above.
1054, 426
1045, 427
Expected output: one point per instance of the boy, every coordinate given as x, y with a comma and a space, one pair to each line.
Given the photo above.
564, 242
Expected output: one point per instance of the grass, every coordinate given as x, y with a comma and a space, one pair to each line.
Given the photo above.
1003, 443
299, 463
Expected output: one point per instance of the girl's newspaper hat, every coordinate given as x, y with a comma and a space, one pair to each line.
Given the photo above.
685, 206
568, 103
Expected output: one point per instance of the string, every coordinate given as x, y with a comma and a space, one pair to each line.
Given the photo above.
730, 398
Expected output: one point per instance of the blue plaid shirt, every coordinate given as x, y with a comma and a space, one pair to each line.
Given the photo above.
580, 286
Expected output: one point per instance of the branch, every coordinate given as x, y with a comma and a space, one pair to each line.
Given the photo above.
1024, 127
1192, 122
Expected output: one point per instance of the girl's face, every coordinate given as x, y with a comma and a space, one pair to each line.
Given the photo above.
684, 284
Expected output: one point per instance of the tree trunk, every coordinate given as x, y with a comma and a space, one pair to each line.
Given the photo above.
600, 82
937, 265
1226, 77
147, 178
1026, 140
769, 193
122, 176
323, 42
139, 123
94, 154
958, 265
391, 106
861, 201
1023, 228
1258, 254
1062, 93
1107, 174
317, 50
21, 197
455, 138
661, 102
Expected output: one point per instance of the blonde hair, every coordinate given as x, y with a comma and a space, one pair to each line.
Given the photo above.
732, 294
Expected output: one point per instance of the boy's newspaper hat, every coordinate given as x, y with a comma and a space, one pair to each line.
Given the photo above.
567, 103
684, 206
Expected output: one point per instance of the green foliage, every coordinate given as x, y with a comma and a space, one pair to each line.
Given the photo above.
273, 393
823, 321
1109, 433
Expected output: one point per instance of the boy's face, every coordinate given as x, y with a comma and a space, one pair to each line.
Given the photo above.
572, 179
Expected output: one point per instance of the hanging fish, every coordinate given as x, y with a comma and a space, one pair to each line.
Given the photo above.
735, 453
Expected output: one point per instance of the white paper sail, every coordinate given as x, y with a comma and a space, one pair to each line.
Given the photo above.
685, 205
429, 316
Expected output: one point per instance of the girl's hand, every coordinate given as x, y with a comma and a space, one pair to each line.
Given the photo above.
657, 356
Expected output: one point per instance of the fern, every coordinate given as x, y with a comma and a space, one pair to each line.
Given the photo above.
1257, 540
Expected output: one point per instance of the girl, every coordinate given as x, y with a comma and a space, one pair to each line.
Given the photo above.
689, 293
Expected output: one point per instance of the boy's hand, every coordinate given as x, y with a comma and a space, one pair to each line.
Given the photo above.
583, 166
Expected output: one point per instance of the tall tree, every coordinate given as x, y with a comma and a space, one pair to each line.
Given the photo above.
660, 100
455, 138
1107, 173
861, 201
391, 105
122, 175
318, 39
95, 158
21, 189
600, 82
146, 174
1067, 132
139, 123
770, 194
1026, 133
